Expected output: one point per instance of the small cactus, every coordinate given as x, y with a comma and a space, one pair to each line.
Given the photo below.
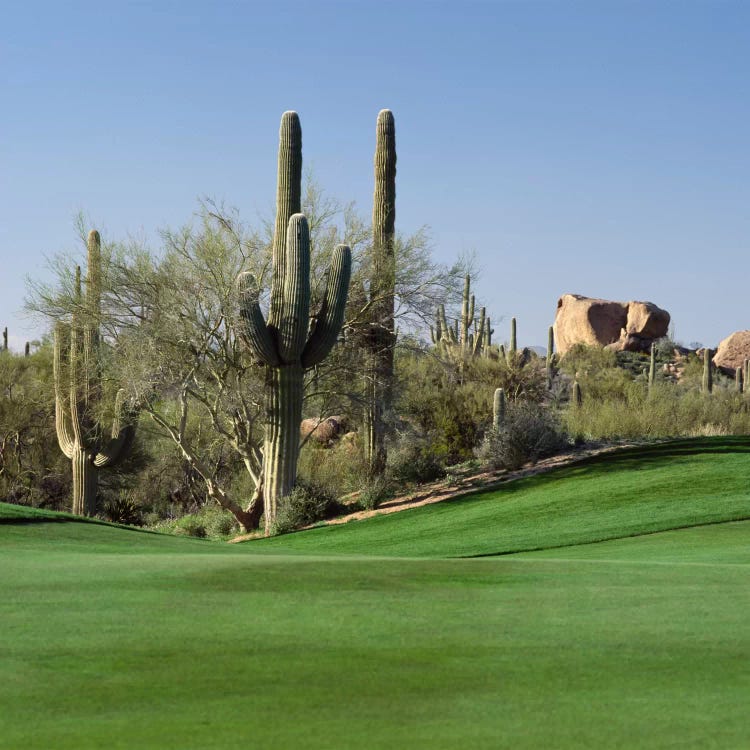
708, 383
652, 367
498, 409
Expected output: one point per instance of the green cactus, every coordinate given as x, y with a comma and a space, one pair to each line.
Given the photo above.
652, 367
381, 337
513, 342
708, 382
498, 409
738, 380
288, 345
468, 343
77, 378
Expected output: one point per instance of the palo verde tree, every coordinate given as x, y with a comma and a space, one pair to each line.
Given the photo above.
78, 390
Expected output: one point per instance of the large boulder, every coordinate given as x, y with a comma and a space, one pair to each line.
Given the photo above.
628, 326
323, 431
733, 351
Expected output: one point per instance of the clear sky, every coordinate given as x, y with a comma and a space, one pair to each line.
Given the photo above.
601, 148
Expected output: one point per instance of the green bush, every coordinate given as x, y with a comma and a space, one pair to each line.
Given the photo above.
305, 505
415, 460
529, 432
374, 493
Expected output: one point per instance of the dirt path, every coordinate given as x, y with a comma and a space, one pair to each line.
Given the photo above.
455, 485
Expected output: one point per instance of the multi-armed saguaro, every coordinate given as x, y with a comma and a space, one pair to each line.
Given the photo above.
287, 345
78, 389
465, 343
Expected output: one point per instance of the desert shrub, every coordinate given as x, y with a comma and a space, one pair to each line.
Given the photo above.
374, 493
530, 432
338, 470
210, 521
305, 505
122, 509
415, 460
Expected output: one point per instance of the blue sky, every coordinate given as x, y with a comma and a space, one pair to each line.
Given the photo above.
600, 148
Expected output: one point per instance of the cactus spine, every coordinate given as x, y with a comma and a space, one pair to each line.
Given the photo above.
498, 409
287, 345
708, 383
78, 389
381, 336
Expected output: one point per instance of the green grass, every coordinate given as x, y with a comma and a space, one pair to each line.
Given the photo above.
634, 491
119, 639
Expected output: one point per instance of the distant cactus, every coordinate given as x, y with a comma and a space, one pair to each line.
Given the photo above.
287, 345
27, 349
513, 341
550, 366
77, 378
738, 380
652, 367
498, 409
708, 383
465, 342
5, 339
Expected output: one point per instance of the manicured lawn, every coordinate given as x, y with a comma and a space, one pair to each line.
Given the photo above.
118, 639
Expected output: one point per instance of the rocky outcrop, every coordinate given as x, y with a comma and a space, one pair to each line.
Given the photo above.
323, 431
733, 351
622, 326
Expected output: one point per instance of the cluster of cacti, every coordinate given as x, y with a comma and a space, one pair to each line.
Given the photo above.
470, 336
381, 336
708, 382
77, 374
288, 344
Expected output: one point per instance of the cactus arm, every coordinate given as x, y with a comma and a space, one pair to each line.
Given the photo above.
251, 325
288, 203
433, 336
295, 313
463, 340
479, 340
63, 427
331, 317
121, 437
74, 405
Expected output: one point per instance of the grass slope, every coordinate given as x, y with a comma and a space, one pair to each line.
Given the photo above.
118, 639
634, 491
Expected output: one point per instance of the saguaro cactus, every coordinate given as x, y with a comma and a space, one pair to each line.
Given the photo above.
738, 380
652, 367
708, 382
77, 377
380, 338
285, 344
498, 409
550, 364
513, 341
287, 351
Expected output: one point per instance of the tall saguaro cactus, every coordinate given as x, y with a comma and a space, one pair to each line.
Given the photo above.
381, 335
652, 367
287, 344
77, 376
